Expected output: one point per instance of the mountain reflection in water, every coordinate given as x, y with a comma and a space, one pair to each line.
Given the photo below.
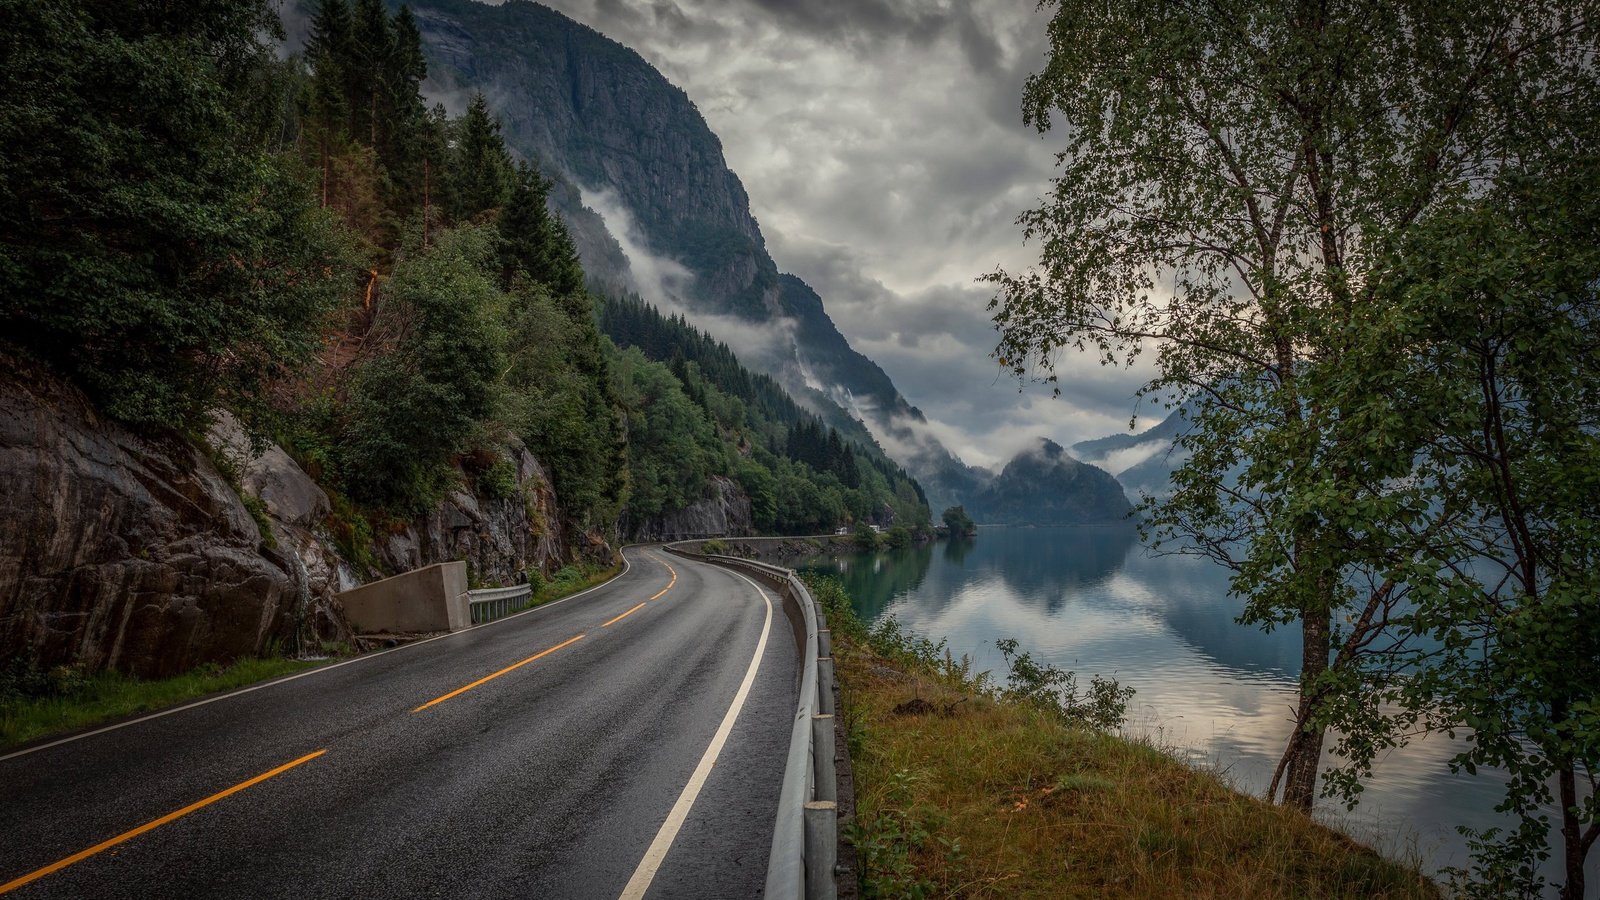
1094, 600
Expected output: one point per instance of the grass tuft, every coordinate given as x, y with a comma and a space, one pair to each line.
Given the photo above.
35, 704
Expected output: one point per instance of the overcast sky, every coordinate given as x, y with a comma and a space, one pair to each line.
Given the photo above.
882, 145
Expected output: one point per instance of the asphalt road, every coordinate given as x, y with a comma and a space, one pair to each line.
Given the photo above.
560, 777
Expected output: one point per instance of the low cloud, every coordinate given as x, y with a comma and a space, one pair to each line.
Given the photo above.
659, 279
1119, 461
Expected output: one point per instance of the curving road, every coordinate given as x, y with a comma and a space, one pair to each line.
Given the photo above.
629, 741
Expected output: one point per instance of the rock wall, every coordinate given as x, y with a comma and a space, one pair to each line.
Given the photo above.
135, 552
726, 513
120, 550
501, 539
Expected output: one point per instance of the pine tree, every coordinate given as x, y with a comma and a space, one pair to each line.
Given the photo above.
480, 165
404, 147
526, 235
371, 48
327, 106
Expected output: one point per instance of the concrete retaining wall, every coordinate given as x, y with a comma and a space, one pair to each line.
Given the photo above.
432, 598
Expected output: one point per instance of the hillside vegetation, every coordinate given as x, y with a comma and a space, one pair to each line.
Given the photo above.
379, 287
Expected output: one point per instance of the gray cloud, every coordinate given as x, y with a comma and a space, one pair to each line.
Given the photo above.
882, 145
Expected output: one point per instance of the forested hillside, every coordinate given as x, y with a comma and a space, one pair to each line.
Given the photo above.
300, 250
801, 474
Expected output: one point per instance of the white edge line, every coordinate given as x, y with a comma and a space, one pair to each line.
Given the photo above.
657, 852
239, 692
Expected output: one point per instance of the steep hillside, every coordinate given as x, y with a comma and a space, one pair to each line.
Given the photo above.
799, 474
594, 112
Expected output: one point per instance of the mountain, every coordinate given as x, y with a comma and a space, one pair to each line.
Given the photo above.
624, 142
1143, 462
1046, 486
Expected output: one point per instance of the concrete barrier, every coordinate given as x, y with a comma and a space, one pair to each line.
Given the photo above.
432, 598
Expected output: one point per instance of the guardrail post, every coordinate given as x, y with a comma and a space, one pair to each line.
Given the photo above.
822, 849
825, 643
825, 784
825, 685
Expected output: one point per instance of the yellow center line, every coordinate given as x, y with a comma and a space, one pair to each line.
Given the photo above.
670, 583
492, 676
624, 615
149, 826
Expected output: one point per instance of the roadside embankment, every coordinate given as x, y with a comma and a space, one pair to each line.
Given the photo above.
967, 788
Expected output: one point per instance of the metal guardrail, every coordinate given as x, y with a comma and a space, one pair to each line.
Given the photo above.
488, 604
805, 840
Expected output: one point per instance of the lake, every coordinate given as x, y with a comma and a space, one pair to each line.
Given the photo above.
1220, 694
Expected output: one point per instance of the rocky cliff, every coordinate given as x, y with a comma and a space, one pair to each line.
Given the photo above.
150, 555
725, 513
128, 551
501, 538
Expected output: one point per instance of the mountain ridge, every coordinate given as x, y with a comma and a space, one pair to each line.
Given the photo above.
596, 115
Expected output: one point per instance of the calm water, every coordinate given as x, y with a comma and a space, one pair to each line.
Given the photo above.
1095, 601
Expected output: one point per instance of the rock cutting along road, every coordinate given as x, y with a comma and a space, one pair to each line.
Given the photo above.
544, 755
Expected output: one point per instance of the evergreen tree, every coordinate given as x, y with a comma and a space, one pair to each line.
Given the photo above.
404, 146
479, 166
370, 51
330, 33
327, 108
526, 233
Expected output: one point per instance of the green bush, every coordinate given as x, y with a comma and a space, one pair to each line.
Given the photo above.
498, 481
898, 537
410, 411
865, 538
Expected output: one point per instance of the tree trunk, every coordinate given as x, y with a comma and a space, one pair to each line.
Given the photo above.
1571, 836
1303, 756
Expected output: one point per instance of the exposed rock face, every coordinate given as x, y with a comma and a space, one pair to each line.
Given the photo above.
134, 552
500, 539
297, 511
124, 551
726, 513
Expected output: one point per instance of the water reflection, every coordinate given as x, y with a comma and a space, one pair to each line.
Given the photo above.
1210, 690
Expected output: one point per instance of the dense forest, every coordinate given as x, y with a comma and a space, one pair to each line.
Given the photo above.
801, 475
375, 285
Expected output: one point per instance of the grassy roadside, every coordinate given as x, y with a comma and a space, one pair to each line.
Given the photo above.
966, 789
569, 580
36, 704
